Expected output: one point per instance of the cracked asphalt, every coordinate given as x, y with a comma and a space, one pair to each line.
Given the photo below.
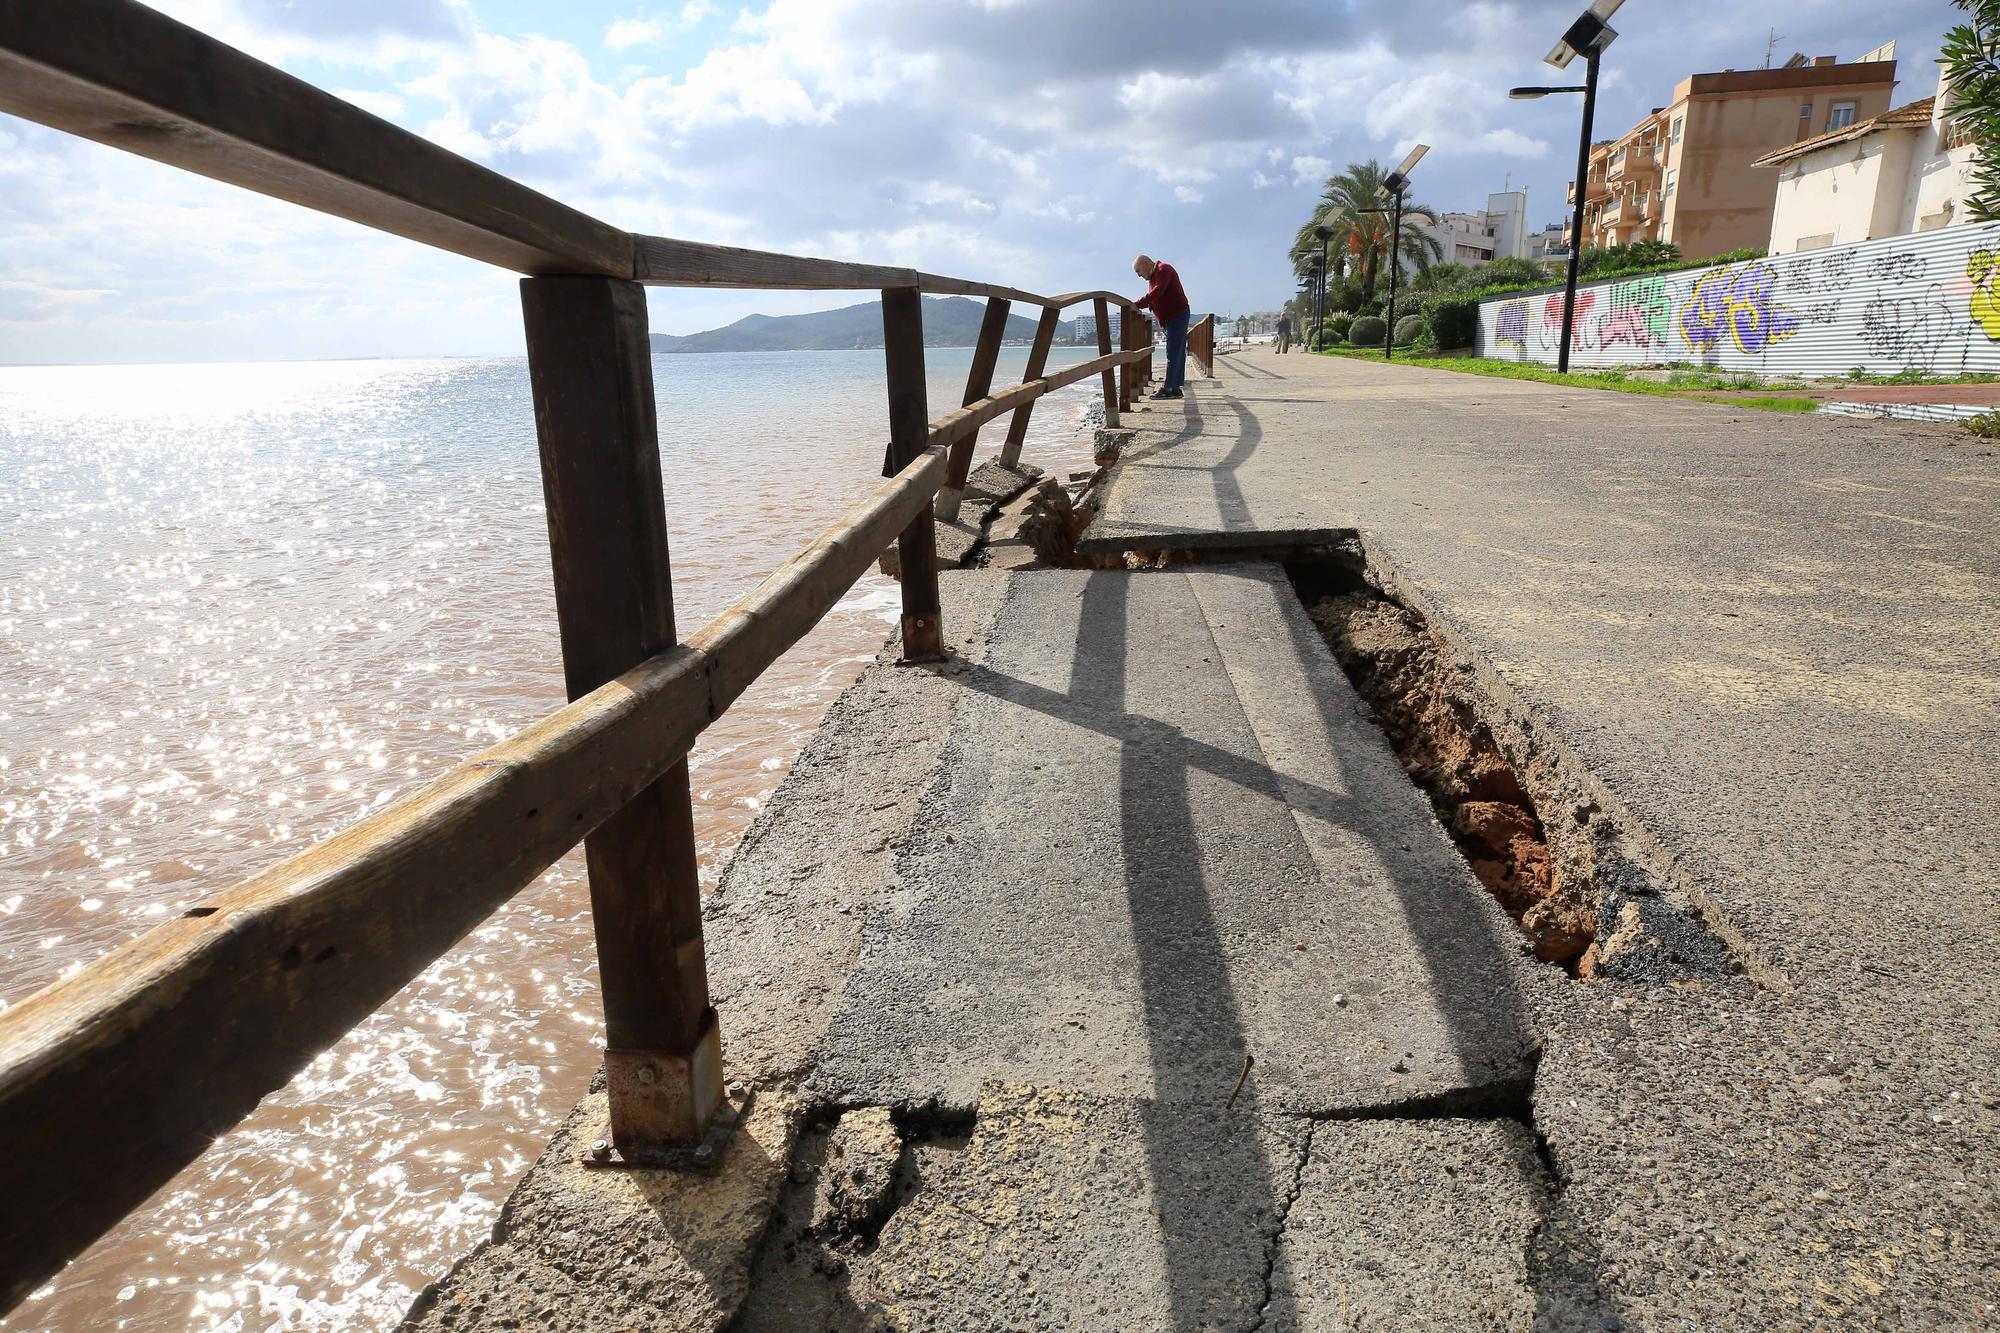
1042, 902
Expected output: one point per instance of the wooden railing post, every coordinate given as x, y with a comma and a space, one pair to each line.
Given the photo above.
909, 428
1128, 373
1102, 309
1038, 364
978, 383
591, 370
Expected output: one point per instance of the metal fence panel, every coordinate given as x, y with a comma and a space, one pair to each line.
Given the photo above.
1929, 301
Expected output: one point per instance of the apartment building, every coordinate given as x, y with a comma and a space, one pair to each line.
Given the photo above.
1687, 173
1500, 232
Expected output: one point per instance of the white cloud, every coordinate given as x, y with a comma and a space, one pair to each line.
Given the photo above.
1035, 141
628, 33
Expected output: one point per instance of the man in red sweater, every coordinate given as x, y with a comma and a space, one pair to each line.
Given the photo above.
1169, 305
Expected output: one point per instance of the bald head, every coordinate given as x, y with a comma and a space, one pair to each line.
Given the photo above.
1144, 266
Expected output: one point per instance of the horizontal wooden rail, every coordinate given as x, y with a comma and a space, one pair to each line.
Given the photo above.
955, 426
128, 76
117, 1077
1083, 370
125, 75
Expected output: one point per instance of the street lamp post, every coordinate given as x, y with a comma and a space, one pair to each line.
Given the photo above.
1394, 187
1587, 37
1325, 234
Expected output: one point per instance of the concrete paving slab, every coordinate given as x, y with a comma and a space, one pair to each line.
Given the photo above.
1163, 838
1064, 1211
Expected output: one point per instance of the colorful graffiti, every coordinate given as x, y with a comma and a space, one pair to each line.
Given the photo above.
1638, 313
1983, 302
1552, 321
1741, 302
1922, 302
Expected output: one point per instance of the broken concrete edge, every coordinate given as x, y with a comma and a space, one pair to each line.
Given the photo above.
635, 1242
1604, 844
959, 540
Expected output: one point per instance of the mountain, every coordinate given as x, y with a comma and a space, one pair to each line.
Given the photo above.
949, 321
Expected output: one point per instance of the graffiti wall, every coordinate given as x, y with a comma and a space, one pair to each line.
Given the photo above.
1928, 302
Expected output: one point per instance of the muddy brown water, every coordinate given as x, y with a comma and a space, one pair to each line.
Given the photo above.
241, 606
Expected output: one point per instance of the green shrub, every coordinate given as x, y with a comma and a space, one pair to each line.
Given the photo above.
1986, 425
1370, 308
1508, 272
1339, 324
1443, 277
1367, 331
1407, 329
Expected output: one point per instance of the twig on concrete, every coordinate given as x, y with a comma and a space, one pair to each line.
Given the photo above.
1248, 1060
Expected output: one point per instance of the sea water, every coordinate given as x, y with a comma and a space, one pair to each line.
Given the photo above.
242, 606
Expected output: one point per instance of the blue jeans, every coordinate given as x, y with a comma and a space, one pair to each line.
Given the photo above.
1176, 330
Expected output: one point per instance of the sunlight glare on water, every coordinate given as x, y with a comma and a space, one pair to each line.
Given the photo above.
242, 606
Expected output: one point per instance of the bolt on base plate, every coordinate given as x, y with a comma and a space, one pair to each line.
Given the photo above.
701, 1156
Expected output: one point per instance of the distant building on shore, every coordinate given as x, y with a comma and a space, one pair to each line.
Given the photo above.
1687, 173
1906, 170
1472, 239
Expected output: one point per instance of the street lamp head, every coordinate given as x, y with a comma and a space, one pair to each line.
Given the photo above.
1589, 35
1395, 181
1323, 231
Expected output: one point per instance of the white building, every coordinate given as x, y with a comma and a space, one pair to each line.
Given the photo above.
1548, 243
1501, 232
1908, 169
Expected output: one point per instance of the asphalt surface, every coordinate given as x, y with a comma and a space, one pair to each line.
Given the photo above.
1776, 640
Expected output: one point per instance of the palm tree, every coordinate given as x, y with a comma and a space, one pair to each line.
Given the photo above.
1361, 239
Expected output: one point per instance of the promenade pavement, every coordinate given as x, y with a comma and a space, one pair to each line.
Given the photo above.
1113, 975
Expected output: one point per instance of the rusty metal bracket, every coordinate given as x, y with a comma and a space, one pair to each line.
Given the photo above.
702, 1156
923, 639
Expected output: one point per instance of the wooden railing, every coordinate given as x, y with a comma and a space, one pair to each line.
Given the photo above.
1201, 344
115, 1078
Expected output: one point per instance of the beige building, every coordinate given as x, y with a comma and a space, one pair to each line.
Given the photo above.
1906, 170
1686, 173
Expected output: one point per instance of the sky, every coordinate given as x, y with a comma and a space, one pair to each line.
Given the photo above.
1037, 143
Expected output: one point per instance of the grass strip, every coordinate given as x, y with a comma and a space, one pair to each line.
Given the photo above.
1615, 380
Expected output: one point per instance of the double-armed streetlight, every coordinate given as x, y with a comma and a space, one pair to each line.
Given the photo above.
1587, 37
1393, 187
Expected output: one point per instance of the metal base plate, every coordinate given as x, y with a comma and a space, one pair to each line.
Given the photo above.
704, 1156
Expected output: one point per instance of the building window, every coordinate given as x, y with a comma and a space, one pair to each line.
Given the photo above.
1841, 116
1677, 128
1667, 189
1805, 111
1617, 157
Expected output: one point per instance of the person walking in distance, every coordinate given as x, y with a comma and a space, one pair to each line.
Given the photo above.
1284, 334
1169, 305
